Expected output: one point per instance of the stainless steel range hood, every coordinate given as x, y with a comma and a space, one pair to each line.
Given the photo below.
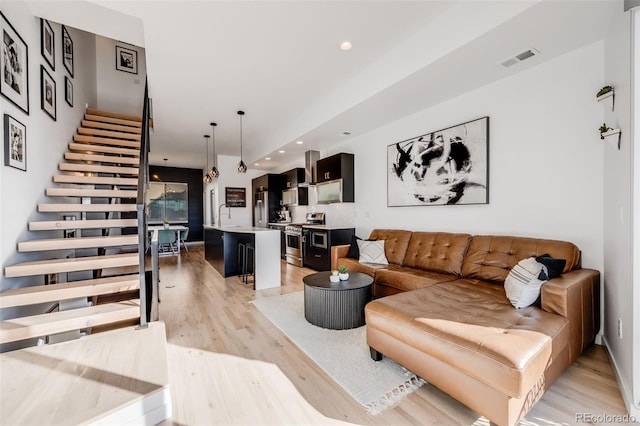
310, 167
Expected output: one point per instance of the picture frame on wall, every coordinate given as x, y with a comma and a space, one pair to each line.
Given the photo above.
68, 91
445, 167
48, 43
15, 143
126, 60
67, 50
47, 93
235, 197
14, 66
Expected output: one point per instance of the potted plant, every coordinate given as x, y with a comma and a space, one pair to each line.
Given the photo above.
604, 129
165, 223
343, 273
334, 277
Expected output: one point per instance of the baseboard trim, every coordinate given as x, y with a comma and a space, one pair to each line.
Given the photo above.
627, 395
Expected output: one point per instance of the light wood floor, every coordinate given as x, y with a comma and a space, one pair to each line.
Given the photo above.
210, 316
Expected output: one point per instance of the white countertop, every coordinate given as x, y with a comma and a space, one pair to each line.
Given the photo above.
240, 229
328, 227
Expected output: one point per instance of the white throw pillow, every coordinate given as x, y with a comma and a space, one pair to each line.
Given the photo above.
372, 252
522, 284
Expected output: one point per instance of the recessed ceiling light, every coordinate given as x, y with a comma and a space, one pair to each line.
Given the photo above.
281, 151
345, 45
300, 142
256, 164
267, 158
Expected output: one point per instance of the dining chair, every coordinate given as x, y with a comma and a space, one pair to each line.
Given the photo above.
183, 237
167, 237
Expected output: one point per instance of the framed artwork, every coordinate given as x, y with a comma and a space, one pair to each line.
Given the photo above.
235, 197
126, 60
14, 83
47, 93
68, 91
67, 50
445, 167
47, 43
15, 143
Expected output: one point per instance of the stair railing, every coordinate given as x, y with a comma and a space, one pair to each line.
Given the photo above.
143, 183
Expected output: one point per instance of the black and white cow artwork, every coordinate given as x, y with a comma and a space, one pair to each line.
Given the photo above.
444, 167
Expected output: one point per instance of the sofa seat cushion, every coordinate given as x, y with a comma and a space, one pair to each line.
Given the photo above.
405, 279
353, 265
472, 326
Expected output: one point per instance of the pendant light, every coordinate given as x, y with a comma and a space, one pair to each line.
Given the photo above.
242, 167
214, 173
207, 178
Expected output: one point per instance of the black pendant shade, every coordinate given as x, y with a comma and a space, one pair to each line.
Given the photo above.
214, 173
207, 177
242, 167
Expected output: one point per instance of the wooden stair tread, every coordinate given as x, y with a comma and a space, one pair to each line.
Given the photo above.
55, 292
108, 133
110, 126
94, 193
77, 243
74, 319
101, 148
97, 379
61, 225
95, 180
95, 111
112, 120
97, 140
76, 156
97, 168
51, 266
86, 208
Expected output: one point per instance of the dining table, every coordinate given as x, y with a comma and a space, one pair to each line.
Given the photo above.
176, 228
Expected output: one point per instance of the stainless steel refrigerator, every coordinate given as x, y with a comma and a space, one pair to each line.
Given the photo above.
261, 209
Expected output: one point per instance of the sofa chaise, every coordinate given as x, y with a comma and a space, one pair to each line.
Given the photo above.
442, 312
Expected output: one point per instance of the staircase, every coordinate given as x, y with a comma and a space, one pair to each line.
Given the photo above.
98, 183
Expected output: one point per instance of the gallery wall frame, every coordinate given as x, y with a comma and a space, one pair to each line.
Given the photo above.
14, 66
126, 60
67, 50
445, 167
48, 43
47, 93
15, 143
68, 91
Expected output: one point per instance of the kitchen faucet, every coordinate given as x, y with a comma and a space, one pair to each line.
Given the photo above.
219, 217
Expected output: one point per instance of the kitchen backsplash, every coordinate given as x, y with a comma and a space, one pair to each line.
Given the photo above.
336, 214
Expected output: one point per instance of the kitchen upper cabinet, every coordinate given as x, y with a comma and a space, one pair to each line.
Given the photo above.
336, 167
268, 182
293, 178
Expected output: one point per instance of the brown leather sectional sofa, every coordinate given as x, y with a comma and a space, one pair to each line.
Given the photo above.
442, 312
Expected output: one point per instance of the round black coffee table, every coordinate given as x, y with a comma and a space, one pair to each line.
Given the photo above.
337, 306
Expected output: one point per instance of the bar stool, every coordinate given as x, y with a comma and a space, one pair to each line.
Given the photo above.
246, 262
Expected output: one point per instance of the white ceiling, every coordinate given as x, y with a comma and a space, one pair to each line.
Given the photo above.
280, 62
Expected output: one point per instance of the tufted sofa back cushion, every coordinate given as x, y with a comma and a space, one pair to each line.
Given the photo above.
492, 257
437, 251
395, 243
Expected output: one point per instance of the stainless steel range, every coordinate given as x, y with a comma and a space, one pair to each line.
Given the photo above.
294, 240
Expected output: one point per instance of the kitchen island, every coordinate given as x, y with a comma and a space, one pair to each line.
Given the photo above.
221, 251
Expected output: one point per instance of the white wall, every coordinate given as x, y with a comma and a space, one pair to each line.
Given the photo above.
635, 126
119, 91
46, 139
545, 158
618, 226
229, 177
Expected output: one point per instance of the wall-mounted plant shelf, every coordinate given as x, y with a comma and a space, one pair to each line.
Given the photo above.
607, 100
613, 137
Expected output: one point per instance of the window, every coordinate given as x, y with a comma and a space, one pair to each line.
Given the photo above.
168, 201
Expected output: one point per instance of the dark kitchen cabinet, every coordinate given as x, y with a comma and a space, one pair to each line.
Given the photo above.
293, 178
318, 243
339, 166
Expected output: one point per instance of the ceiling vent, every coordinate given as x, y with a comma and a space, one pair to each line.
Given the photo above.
529, 53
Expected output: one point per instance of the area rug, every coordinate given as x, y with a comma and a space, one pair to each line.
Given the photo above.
343, 354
